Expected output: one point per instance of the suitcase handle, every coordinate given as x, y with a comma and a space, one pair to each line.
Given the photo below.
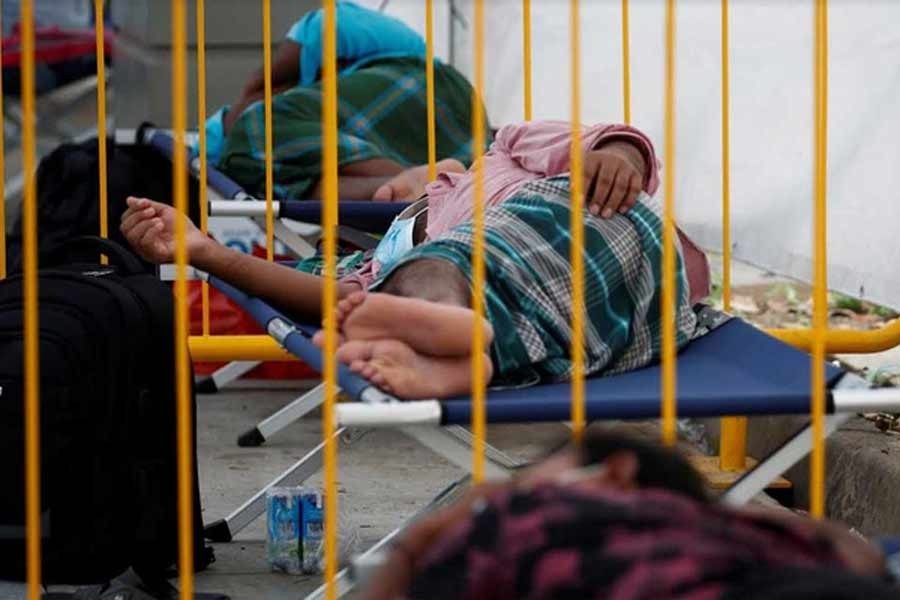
118, 256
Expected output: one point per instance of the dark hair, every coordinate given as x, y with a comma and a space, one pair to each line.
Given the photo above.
658, 466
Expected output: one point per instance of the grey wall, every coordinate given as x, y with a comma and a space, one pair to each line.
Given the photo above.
142, 71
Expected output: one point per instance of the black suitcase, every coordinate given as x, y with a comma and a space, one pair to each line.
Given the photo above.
108, 450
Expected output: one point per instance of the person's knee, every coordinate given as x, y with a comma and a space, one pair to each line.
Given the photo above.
429, 279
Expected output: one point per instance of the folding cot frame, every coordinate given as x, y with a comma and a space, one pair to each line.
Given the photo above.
227, 198
733, 368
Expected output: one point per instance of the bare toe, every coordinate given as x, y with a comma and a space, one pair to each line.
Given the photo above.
369, 371
353, 351
319, 339
346, 306
379, 379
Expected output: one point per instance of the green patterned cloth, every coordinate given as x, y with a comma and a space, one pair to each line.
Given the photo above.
381, 114
529, 284
347, 263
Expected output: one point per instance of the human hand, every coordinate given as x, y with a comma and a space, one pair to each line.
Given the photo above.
613, 178
150, 229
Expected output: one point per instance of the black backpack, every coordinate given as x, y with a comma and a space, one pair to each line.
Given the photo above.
108, 450
68, 191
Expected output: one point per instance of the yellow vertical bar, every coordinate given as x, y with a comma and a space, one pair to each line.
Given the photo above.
820, 280
576, 247
201, 129
733, 445
429, 85
329, 299
668, 282
30, 285
100, 43
526, 56
267, 79
184, 426
626, 63
2, 188
478, 375
726, 163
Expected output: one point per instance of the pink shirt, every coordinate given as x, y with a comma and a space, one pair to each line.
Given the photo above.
525, 152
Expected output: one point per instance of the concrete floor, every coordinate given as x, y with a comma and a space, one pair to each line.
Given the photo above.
384, 478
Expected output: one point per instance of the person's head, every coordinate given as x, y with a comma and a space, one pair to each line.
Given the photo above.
616, 460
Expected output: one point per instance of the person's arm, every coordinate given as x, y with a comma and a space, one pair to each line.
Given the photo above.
150, 229
285, 70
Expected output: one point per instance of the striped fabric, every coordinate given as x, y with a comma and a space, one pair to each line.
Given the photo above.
529, 284
348, 262
382, 113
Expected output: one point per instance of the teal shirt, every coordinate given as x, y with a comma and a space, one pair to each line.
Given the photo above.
363, 35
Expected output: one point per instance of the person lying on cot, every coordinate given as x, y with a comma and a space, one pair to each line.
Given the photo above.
620, 518
381, 121
404, 316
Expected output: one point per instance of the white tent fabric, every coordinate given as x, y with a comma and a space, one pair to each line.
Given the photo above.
771, 115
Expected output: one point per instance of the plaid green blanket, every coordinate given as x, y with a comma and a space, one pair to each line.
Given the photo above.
381, 114
529, 284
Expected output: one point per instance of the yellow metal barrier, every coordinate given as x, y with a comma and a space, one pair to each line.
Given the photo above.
267, 84
183, 399
101, 119
844, 342
818, 340
30, 308
668, 282
576, 224
626, 64
201, 130
733, 438
218, 348
479, 384
329, 291
429, 85
526, 58
820, 284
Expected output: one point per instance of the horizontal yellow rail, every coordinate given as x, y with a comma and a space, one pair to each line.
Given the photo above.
236, 347
839, 341
262, 347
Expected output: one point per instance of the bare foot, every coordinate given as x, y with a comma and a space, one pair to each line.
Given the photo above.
344, 307
399, 370
435, 329
410, 184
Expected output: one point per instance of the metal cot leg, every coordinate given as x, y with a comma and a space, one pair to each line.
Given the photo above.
290, 413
